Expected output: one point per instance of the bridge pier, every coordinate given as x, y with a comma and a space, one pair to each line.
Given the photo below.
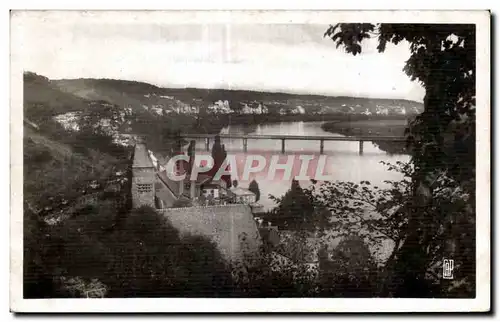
283, 146
361, 147
207, 144
321, 146
245, 144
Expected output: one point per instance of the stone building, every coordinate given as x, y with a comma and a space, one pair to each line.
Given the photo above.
143, 177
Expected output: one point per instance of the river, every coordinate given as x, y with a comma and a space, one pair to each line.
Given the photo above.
343, 161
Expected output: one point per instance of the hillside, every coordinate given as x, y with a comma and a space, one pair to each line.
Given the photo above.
61, 165
55, 176
43, 99
143, 95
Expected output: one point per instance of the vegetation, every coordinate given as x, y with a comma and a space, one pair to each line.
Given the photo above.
442, 139
351, 271
297, 210
253, 186
374, 127
219, 155
141, 256
427, 216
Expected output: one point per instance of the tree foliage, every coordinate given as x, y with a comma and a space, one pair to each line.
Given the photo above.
295, 210
349, 270
253, 186
442, 138
219, 155
443, 60
145, 256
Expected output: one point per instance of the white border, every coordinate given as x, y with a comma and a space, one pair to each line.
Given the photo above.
480, 303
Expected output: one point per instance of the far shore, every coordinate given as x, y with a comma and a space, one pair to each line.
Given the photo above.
372, 127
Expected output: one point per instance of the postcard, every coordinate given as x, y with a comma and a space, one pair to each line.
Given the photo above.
250, 161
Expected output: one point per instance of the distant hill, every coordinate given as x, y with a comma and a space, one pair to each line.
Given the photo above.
137, 94
42, 97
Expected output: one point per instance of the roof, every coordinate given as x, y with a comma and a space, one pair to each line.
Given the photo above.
141, 157
202, 179
171, 184
164, 193
241, 191
215, 183
231, 227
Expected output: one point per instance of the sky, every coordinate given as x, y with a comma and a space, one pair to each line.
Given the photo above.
284, 57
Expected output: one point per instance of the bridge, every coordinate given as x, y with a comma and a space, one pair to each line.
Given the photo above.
283, 138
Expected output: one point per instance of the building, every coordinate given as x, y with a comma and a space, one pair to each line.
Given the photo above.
366, 112
220, 107
381, 110
214, 189
193, 188
246, 109
143, 177
263, 109
401, 110
231, 227
253, 108
241, 195
298, 110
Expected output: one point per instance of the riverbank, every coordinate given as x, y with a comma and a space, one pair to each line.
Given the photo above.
212, 124
372, 127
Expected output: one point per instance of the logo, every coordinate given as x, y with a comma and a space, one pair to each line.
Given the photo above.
448, 269
243, 166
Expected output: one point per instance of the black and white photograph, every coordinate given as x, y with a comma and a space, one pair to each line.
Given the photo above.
216, 155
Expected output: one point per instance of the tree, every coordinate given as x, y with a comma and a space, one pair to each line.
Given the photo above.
349, 271
299, 210
442, 138
219, 154
254, 187
442, 60
191, 153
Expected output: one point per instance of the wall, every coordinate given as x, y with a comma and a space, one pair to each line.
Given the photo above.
140, 195
231, 227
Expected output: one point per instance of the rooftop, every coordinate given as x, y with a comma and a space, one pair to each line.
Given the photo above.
241, 191
165, 193
141, 157
172, 184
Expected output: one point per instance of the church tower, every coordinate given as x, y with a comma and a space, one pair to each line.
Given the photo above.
143, 177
